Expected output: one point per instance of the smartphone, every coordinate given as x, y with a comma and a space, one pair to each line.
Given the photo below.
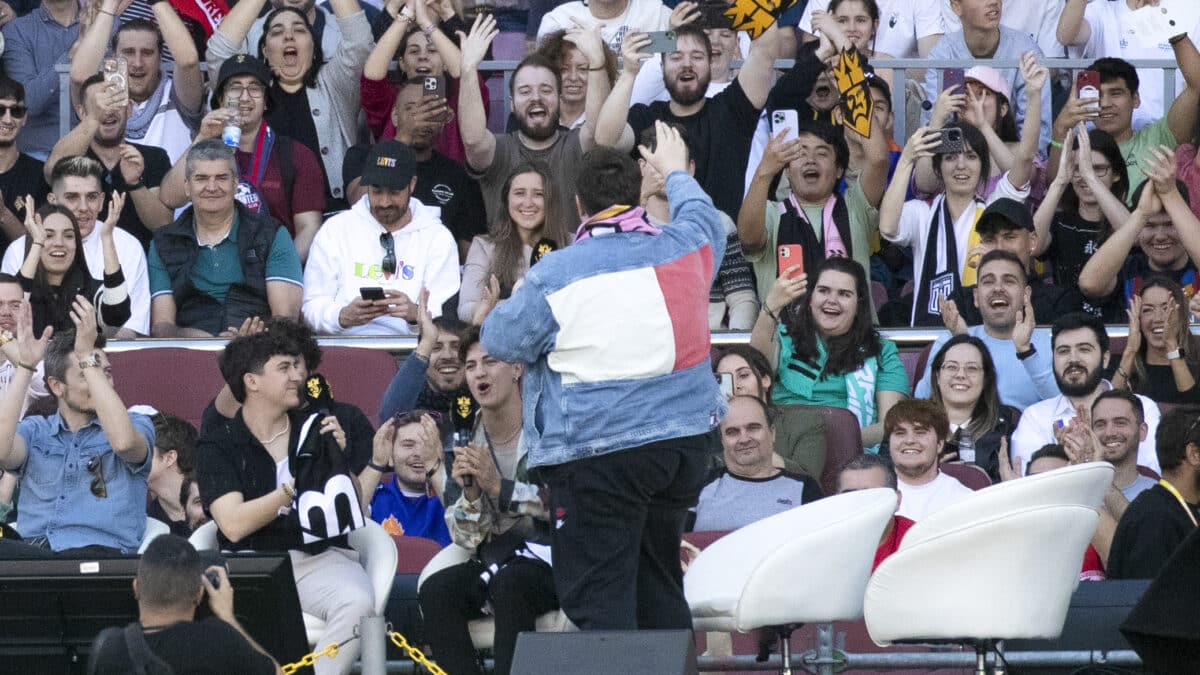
785, 119
712, 15
1087, 84
951, 141
116, 70
435, 85
371, 293
952, 77
789, 255
726, 384
661, 42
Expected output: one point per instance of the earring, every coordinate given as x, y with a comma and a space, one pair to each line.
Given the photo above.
516, 379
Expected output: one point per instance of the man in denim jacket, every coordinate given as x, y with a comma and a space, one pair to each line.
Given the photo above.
619, 397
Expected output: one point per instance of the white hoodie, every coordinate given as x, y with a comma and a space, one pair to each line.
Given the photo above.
346, 256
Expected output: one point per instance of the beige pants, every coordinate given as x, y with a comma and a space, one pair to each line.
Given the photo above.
334, 587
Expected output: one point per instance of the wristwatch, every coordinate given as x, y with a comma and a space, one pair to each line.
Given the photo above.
1175, 354
92, 361
1021, 356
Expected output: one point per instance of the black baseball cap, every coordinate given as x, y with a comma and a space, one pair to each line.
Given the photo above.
1004, 214
239, 64
389, 164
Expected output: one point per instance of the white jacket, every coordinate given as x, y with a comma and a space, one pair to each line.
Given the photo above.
346, 256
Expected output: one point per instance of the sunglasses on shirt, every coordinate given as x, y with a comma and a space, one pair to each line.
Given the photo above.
99, 487
389, 253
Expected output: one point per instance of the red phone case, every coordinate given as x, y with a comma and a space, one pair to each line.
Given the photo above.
794, 256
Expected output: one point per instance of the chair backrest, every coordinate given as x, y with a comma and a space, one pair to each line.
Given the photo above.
172, 379
154, 529
806, 564
843, 442
414, 553
449, 556
967, 473
377, 553
1008, 575
204, 538
1079, 485
879, 295
358, 375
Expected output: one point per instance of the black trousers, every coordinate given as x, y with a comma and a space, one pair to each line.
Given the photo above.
520, 592
618, 522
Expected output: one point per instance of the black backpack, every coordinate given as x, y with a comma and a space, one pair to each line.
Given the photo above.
141, 659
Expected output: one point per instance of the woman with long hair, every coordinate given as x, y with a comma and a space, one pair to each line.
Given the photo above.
310, 99
826, 349
964, 385
1162, 358
54, 271
1083, 205
528, 226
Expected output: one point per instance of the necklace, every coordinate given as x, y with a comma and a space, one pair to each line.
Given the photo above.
506, 442
286, 428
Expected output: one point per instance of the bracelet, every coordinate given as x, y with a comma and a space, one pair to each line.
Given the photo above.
38, 243
432, 472
1056, 144
380, 469
1177, 39
28, 367
289, 491
771, 314
136, 185
428, 30
105, 11
1124, 375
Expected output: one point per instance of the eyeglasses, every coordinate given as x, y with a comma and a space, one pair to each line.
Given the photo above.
389, 253
236, 91
971, 370
18, 111
1101, 170
99, 487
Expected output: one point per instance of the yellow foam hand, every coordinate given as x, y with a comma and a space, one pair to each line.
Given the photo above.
857, 105
756, 16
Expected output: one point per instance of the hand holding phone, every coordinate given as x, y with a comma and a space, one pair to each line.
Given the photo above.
726, 384
790, 255
372, 293
952, 77
951, 141
661, 42
435, 85
785, 119
116, 71
1087, 86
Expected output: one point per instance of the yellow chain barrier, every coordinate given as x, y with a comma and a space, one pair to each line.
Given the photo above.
415, 654
331, 650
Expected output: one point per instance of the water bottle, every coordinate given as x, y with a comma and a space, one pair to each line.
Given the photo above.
966, 446
231, 135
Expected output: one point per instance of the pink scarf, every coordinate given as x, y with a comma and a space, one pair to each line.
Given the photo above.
619, 218
834, 246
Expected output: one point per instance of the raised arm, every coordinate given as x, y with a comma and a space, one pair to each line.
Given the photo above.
479, 143
591, 45
1181, 118
612, 124
109, 98
1114, 210
751, 228
123, 437
149, 208
91, 45
427, 19
755, 75
186, 78
1076, 111
1099, 275
237, 22
951, 100
1073, 29
921, 144
172, 191
1044, 216
112, 264
24, 352
1034, 74
1159, 167
380, 59
786, 290
37, 240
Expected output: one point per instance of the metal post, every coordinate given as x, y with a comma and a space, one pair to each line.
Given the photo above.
372, 630
785, 650
825, 649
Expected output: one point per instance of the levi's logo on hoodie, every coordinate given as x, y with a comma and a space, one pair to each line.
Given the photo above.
374, 271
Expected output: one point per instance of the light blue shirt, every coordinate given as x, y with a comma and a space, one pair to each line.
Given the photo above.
56, 499
1021, 383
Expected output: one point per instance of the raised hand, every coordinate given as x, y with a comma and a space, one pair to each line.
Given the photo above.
1171, 335
588, 41
491, 297
381, 443
1033, 73
1076, 110
671, 153
1026, 322
1159, 166
431, 442
778, 154
114, 213
83, 315
974, 111
922, 143
785, 290
1009, 469
952, 100
474, 45
1134, 342
1068, 159
133, 165
684, 13
330, 425
951, 316
26, 349
631, 54
33, 222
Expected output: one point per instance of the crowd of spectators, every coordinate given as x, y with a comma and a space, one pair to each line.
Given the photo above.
300, 170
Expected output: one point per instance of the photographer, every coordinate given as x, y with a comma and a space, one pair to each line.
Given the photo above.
171, 583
